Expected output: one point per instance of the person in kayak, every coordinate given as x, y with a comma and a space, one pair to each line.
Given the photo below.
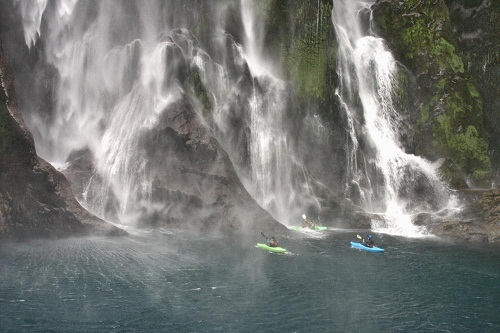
307, 224
369, 242
272, 242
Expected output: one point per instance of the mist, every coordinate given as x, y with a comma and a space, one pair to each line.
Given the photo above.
161, 115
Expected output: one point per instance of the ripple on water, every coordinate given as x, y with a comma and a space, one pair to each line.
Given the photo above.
169, 283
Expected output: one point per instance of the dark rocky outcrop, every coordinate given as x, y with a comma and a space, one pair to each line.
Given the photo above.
190, 169
334, 210
479, 220
193, 182
475, 23
35, 199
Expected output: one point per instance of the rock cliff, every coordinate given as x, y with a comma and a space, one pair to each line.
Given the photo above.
478, 222
475, 23
35, 199
450, 120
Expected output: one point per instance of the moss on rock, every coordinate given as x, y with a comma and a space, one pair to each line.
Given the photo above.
308, 59
300, 34
201, 93
451, 110
476, 24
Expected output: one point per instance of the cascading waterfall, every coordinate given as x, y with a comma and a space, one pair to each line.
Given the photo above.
272, 162
367, 71
108, 94
122, 66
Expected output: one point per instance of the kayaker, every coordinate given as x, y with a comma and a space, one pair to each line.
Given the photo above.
272, 242
307, 224
369, 242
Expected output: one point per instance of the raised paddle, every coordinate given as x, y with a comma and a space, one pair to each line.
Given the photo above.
304, 216
268, 239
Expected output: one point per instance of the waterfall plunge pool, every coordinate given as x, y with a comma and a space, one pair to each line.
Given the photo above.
175, 282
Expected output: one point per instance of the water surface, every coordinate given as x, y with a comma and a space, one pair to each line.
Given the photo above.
180, 283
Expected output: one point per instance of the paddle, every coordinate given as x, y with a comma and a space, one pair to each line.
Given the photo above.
359, 237
304, 216
264, 235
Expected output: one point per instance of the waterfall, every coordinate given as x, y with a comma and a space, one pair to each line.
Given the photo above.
271, 160
387, 176
118, 70
120, 64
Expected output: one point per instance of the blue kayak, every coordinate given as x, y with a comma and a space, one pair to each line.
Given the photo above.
366, 248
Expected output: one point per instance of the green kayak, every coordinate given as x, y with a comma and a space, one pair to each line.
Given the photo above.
317, 228
269, 248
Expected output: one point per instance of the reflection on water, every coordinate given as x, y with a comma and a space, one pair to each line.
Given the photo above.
177, 282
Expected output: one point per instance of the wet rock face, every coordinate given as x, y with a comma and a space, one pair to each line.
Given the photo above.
450, 120
193, 182
479, 220
35, 199
192, 173
490, 203
475, 22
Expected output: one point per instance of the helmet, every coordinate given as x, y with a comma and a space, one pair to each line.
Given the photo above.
370, 236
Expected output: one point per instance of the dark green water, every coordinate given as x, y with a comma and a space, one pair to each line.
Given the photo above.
180, 283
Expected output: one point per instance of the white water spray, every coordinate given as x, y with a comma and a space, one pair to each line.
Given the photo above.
117, 72
119, 68
272, 160
367, 71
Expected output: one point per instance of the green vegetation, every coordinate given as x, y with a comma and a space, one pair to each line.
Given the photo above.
201, 93
467, 148
308, 58
302, 36
451, 117
421, 31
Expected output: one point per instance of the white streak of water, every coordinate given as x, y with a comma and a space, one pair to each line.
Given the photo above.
367, 71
